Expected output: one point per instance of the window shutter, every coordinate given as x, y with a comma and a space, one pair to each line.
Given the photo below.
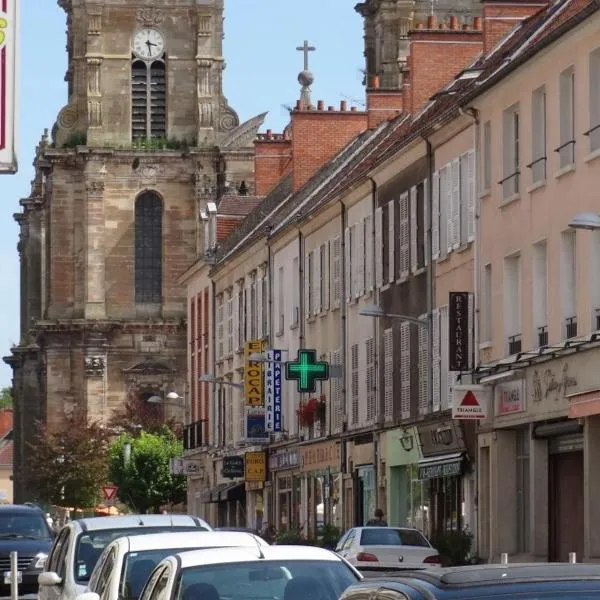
336, 395
236, 315
230, 325
404, 236
359, 290
337, 273
259, 308
435, 217
391, 244
220, 328
455, 204
435, 363
446, 376
354, 383
265, 303
405, 370
355, 259
471, 196
371, 408
448, 207
426, 228
307, 290
423, 369
388, 374
316, 278
347, 269
378, 247
413, 229
325, 251
368, 254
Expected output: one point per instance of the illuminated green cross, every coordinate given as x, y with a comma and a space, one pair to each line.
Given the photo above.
306, 370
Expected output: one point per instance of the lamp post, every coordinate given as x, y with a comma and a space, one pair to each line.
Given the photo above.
589, 221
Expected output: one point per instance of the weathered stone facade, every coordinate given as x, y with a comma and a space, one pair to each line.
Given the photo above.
102, 315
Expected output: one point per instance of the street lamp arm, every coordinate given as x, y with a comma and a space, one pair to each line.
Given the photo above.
413, 320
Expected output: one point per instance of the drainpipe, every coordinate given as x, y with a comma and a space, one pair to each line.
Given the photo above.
301, 291
343, 309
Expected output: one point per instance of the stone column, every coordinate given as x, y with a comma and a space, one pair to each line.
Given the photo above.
94, 84
95, 283
591, 488
538, 501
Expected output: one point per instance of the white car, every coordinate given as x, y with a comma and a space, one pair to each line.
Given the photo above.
79, 544
126, 564
387, 549
261, 573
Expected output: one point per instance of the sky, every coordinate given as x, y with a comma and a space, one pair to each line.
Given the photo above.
260, 43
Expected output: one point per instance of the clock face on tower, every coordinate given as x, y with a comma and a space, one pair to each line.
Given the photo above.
148, 43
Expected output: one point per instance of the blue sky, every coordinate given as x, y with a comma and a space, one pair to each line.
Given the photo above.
262, 66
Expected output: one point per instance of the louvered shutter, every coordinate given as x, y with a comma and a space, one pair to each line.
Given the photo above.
259, 308
435, 362
426, 229
456, 203
337, 273
337, 413
326, 251
413, 229
388, 374
248, 315
448, 207
435, 217
391, 244
360, 259
307, 287
423, 368
404, 236
370, 372
368, 254
316, 261
347, 269
471, 169
445, 375
354, 383
220, 328
236, 318
405, 370
378, 247
266, 304
230, 324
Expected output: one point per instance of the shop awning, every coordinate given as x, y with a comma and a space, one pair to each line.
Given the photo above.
227, 492
444, 465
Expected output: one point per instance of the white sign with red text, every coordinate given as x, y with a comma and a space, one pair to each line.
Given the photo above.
471, 402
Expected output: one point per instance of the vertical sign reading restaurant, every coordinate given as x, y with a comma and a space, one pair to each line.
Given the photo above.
460, 308
9, 16
273, 390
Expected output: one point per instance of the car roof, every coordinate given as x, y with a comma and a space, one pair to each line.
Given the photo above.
25, 509
482, 575
132, 521
237, 555
187, 539
388, 527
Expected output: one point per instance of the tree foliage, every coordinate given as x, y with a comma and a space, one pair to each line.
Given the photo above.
139, 415
69, 463
143, 474
6, 399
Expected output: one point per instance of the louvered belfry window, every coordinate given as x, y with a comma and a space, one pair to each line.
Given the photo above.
148, 100
148, 249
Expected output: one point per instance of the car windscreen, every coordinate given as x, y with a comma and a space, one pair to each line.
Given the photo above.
24, 526
90, 545
266, 580
387, 536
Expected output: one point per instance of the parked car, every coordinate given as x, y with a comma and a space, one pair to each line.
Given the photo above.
126, 564
387, 548
24, 530
80, 543
263, 572
537, 581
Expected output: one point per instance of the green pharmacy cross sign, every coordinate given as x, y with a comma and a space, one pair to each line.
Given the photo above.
306, 370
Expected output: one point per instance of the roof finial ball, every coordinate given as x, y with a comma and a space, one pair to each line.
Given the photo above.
306, 78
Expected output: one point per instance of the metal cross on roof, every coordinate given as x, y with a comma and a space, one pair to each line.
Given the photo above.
306, 49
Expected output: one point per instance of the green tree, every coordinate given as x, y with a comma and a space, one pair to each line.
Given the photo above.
142, 472
69, 462
6, 399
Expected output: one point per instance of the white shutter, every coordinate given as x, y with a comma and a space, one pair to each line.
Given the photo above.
368, 254
230, 324
446, 376
316, 261
347, 269
404, 236
405, 370
388, 374
456, 203
325, 251
370, 373
379, 247
266, 304
435, 363
360, 257
435, 217
220, 329
248, 314
426, 228
471, 196
354, 383
236, 318
448, 207
413, 229
337, 273
307, 287
259, 308
391, 244
423, 368
336, 395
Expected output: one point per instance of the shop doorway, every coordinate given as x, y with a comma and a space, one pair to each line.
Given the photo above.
565, 505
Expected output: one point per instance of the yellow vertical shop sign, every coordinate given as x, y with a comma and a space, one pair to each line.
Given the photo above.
253, 375
256, 466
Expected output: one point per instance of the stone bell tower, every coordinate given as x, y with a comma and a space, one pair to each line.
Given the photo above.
145, 142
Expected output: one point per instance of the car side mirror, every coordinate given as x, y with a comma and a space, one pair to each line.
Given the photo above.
49, 578
88, 596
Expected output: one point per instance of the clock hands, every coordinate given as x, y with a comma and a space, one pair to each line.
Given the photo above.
149, 44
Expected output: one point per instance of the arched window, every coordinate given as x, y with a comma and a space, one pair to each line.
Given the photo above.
148, 249
148, 100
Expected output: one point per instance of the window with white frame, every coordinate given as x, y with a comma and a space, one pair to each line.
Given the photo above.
264, 312
486, 167
568, 283
538, 136
316, 279
445, 209
242, 418
354, 383
241, 316
280, 301
594, 275
594, 82
512, 303
523, 496
349, 277
357, 262
391, 242
368, 223
370, 380
540, 294
487, 320
324, 288
309, 274
404, 235
388, 374
405, 368
336, 268
566, 150
423, 366
220, 328
253, 308
467, 197
229, 419
295, 316
510, 152
336, 395
230, 302
379, 247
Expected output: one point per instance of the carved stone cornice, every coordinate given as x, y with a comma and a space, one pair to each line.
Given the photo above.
94, 188
149, 16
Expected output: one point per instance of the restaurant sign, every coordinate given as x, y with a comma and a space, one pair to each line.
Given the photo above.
460, 319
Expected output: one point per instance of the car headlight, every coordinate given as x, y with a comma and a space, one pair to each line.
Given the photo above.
40, 560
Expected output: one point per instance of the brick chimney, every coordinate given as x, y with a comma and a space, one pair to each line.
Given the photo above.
500, 16
318, 134
382, 104
272, 160
437, 54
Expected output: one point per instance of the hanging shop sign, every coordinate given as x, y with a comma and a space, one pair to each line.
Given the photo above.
253, 374
470, 402
510, 397
306, 370
273, 391
233, 467
460, 319
256, 466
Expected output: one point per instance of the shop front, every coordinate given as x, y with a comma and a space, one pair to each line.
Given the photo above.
443, 483
404, 490
255, 476
321, 486
363, 490
286, 493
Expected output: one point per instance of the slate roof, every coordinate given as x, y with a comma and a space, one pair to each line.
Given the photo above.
236, 205
374, 147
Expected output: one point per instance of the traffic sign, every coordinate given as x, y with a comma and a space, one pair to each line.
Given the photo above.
306, 370
470, 402
110, 492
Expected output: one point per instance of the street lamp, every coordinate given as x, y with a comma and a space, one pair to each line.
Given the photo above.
372, 310
589, 221
210, 378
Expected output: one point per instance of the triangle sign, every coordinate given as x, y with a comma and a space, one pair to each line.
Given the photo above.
109, 491
470, 399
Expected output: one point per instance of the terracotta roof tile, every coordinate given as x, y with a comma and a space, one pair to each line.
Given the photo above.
226, 225
238, 205
6, 454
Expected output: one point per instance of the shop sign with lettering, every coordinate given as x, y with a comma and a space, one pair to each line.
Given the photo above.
317, 457
441, 437
510, 397
233, 466
552, 384
460, 309
449, 469
256, 466
284, 460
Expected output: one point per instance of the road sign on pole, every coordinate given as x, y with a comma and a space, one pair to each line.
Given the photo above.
110, 492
